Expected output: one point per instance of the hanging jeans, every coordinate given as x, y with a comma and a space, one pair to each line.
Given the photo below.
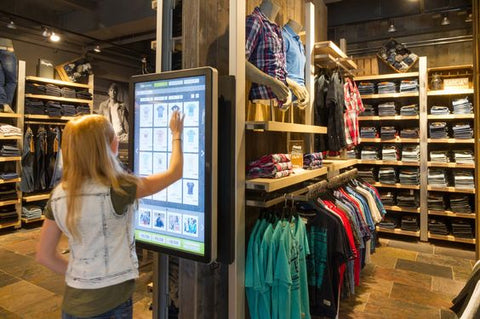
40, 158
28, 158
8, 76
58, 162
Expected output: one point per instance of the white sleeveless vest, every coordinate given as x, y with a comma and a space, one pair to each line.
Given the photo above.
106, 254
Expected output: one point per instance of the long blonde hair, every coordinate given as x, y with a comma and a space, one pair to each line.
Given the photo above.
87, 156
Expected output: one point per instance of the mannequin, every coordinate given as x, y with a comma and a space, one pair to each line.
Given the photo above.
8, 80
296, 59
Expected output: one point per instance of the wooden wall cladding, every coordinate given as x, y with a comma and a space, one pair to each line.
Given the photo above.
290, 9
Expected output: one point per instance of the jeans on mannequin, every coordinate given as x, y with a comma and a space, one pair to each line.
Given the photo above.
8, 76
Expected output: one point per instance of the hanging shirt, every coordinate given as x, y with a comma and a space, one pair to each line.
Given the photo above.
353, 106
304, 251
295, 53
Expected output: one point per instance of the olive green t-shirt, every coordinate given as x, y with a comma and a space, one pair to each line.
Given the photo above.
91, 302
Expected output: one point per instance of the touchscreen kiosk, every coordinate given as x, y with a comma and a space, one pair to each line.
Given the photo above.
181, 219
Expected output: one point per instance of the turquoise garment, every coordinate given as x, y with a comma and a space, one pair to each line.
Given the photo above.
282, 272
264, 295
317, 261
251, 268
272, 262
304, 250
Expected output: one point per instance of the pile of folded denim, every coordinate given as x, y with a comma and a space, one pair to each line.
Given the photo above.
53, 90
439, 156
83, 109
312, 161
460, 203
462, 131
397, 55
464, 179
390, 221
31, 212
462, 106
8, 214
34, 107
411, 153
436, 201
367, 174
387, 175
437, 226
68, 109
352, 154
463, 156
9, 150
390, 153
35, 88
7, 192
409, 223
409, 132
386, 87
409, 86
369, 153
368, 132
411, 109
84, 95
462, 228
409, 176
407, 199
10, 130
270, 166
369, 110
437, 177
387, 109
53, 108
439, 110
387, 198
69, 93
438, 130
8, 175
366, 88
388, 132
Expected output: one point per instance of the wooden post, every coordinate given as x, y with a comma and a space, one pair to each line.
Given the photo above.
423, 79
476, 104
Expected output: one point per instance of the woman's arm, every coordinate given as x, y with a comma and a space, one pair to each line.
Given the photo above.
47, 253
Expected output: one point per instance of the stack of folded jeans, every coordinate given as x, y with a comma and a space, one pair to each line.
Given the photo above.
8, 214
83, 109
53, 108
34, 107
464, 179
411, 153
8, 192
368, 132
270, 166
390, 153
463, 157
312, 161
407, 199
34, 88
369, 110
436, 201
439, 156
462, 131
462, 228
387, 198
409, 176
409, 223
439, 110
438, 130
84, 95
8, 175
367, 174
10, 130
409, 132
387, 175
369, 153
387, 109
69, 93
388, 132
366, 88
53, 90
68, 109
411, 109
460, 203
386, 87
409, 86
437, 226
462, 106
352, 154
390, 221
437, 177
31, 212
9, 150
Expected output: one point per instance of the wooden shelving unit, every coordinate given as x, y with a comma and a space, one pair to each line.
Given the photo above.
327, 53
389, 163
36, 198
57, 98
10, 115
451, 140
389, 95
10, 159
389, 118
285, 127
390, 76
398, 231
396, 140
451, 190
452, 238
339, 164
402, 209
56, 82
10, 137
448, 213
451, 117
9, 181
450, 92
47, 117
396, 185
32, 220
450, 165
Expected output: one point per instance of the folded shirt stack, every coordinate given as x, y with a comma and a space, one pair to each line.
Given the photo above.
369, 110
312, 161
411, 153
69, 93
436, 201
9, 150
270, 166
437, 177
31, 212
53, 90
387, 175
462, 131
369, 153
7, 192
367, 174
439, 110
439, 156
10, 130
68, 109
35, 88
84, 95
409, 176
462, 106
409, 132
8, 214
409, 223
53, 108
387, 198
390, 153
437, 226
463, 157
34, 107
407, 199
387, 109
386, 87
8, 175
438, 130
462, 228
463, 179
83, 109
388, 132
366, 88
351, 154
460, 203
407, 110
390, 222
409, 86
368, 132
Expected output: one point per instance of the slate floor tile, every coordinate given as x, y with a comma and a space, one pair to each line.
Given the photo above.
425, 268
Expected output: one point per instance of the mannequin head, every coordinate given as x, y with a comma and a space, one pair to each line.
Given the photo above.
270, 8
296, 27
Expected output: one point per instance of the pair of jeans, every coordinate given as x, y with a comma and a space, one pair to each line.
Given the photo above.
122, 311
27, 184
40, 158
8, 76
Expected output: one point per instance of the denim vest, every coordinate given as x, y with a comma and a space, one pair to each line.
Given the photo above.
106, 254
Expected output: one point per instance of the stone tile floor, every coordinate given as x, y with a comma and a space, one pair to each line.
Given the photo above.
404, 280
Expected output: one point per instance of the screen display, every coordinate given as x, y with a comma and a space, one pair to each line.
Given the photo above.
173, 218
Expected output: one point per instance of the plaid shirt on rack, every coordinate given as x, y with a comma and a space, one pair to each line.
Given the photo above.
353, 106
264, 48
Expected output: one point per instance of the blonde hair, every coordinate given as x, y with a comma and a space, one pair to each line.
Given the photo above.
88, 157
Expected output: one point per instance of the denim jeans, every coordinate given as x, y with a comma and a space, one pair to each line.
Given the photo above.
123, 311
40, 159
28, 157
8, 76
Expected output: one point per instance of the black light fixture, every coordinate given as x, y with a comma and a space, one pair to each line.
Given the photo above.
11, 25
97, 49
392, 27
445, 20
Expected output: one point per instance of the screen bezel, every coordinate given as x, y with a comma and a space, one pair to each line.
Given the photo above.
211, 91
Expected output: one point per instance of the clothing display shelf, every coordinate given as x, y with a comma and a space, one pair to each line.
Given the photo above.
451, 238
327, 54
448, 213
398, 231
451, 189
272, 126
388, 163
450, 165
451, 140
395, 140
385, 118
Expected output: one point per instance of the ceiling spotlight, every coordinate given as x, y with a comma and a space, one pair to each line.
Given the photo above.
11, 25
445, 20
392, 28
97, 49
469, 18
46, 33
54, 37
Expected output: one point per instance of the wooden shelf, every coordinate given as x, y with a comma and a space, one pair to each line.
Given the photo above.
285, 127
451, 117
10, 159
387, 76
36, 198
57, 98
8, 181
47, 117
451, 140
451, 214
450, 68
398, 231
15, 224
32, 220
389, 95
10, 137
396, 140
335, 165
449, 92
56, 82
393, 163
450, 165
273, 184
402, 209
397, 185
9, 202
329, 52
391, 118
451, 190
452, 238
10, 115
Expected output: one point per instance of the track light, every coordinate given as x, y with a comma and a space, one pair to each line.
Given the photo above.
469, 18
46, 33
445, 20
12, 25
54, 37
97, 49
392, 28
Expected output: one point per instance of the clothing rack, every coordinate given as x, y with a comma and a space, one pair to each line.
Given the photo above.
338, 180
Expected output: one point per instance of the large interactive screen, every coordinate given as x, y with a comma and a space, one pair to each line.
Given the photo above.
181, 219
